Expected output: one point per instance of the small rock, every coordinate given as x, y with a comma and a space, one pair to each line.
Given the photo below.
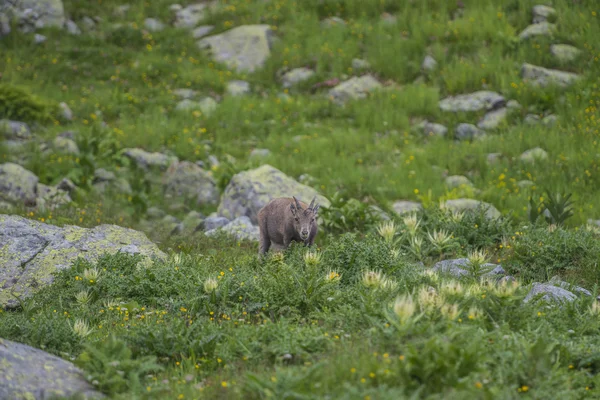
533, 155
354, 88
524, 184
202, 31
564, 52
18, 185
556, 281
513, 105
64, 145
388, 18
175, 7
295, 76
213, 161
358, 64
401, 207
155, 213
88, 23
464, 131
429, 63
237, 88
531, 119
260, 153
493, 158
66, 185
542, 13
541, 29
550, 120
185, 93
211, 223
153, 25
434, 129
544, 77
476, 101
121, 11
187, 181
189, 17
493, 119
147, 160
50, 197
72, 28
452, 267
66, 111
332, 21
241, 228
15, 130
456, 181
38, 39
472, 205
549, 293
102, 175
207, 105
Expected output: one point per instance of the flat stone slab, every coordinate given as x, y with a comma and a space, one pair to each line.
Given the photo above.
540, 76
354, 88
29, 373
476, 101
549, 293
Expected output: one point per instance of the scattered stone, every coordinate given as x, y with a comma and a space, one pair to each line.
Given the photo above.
66, 185
354, 88
525, 183
64, 145
564, 52
189, 17
544, 77
332, 21
493, 119
476, 101
401, 207
147, 160
187, 181
155, 213
542, 13
202, 31
212, 223
102, 175
493, 158
213, 161
388, 18
237, 88
549, 293
513, 105
358, 64
191, 221
532, 155
249, 191
66, 111
33, 251
72, 28
452, 267
34, 374
245, 48
38, 39
17, 185
434, 129
464, 131
295, 76
88, 23
50, 197
121, 11
241, 228
260, 153
175, 7
531, 119
207, 105
377, 212
15, 130
31, 15
429, 63
456, 181
185, 93
556, 281
472, 205
541, 29
550, 120
153, 25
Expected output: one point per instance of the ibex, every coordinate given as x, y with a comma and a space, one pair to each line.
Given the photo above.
283, 220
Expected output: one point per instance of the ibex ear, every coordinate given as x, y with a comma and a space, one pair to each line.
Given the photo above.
316, 208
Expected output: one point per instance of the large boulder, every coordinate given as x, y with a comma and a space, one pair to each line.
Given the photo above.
34, 14
249, 191
540, 76
18, 185
188, 181
245, 48
472, 205
354, 88
30, 251
30, 373
476, 101
549, 293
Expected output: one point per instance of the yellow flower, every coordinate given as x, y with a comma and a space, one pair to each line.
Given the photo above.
224, 384
478, 385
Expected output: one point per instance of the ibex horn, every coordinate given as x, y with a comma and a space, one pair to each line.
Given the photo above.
297, 203
312, 203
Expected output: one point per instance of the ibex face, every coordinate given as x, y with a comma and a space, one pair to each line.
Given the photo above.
303, 219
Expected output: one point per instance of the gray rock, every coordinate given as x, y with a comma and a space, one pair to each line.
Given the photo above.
493, 158
550, 120
66, 111
354, 88
147, 160
212, 223
245, 48
434, 129
33, 251
237, 88
464, 131
540, 29
15, 130
4, 25
513, 105
34, 14
185, 93
295, 76
34, 374
476, 101
241, 228
429, 63
524, 184
565, 52
38, 39
260, 153
72, 28
102, 175
191, 221
207, 105
88, 23
358, 64
549, 293
121, 11
202, 31
540, 76
531, 119
332, 21
155, 213
66, 185
249, 191
456, 181
542, 13
456, 268
532, 155
213, 161
307, 179
187, 181
17, 185
556, 281
405, 207
64, 145
153, 25
50, 197
379, 213
493, 119
472, 205
189, 17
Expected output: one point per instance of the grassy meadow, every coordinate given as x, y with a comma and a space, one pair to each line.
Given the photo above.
360, 317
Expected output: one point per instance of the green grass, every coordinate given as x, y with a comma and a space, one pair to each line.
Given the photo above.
366, 150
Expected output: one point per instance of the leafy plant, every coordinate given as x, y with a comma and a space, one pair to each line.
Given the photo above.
556, 208
18, 104
347, 215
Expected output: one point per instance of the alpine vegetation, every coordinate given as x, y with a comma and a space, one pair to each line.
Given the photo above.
284, 220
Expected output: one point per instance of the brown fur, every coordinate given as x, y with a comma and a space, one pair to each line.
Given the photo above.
284, 220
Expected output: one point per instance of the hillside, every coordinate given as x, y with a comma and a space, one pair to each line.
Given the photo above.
451, 145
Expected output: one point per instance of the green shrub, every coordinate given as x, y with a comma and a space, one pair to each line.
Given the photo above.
18, 104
